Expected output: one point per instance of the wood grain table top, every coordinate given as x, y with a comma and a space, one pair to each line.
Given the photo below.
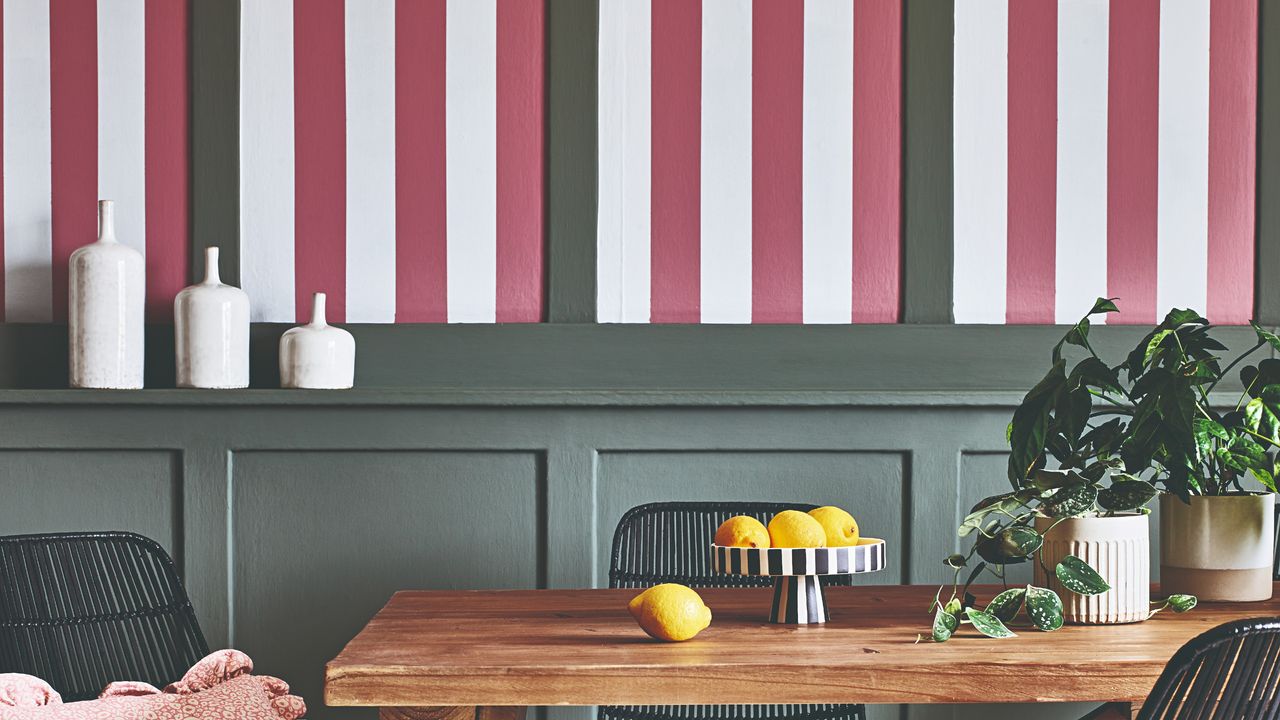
581, 647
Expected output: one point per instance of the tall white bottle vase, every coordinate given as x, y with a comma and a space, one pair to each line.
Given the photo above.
317, 355
106, 292
212, 332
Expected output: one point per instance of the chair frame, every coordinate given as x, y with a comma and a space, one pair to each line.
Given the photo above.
64, 595
1176, 693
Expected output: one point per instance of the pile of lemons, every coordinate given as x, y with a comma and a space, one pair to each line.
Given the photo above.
827, 526
675, 613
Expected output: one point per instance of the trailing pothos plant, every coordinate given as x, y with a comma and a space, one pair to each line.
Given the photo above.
1057, 419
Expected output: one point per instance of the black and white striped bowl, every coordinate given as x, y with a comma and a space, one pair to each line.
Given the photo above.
867, 556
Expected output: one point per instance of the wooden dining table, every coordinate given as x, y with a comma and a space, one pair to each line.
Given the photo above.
486, 655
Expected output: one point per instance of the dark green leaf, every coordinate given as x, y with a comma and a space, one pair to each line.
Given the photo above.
1012, 545
1126, 495
944, 625
954, 561
1076, 576
1266, 337
1205, 432
1006, 503
1153, 345
1052, 479
988, 624
1181, 603
1044, 607
1031, 423
1104, 305
1006, 605
1094, 373
1177, 318
1071, 500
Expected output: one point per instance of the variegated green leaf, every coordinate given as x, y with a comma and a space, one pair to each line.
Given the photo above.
1044, 607
988, 624
1006, 605
1076, 576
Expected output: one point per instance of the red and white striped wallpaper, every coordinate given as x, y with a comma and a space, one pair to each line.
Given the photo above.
749, 161
95, 105
392, 157
1104, 148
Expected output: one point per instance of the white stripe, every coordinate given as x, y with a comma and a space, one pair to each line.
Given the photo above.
28, 242
726, 161
828, 161
471, 161
122, 114
1080, 265
371, 160
622, 245
266, 158
981, 133
1182, 215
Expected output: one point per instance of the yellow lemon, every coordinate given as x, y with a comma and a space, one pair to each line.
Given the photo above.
742, 531
670, 612
794, 529
840, 527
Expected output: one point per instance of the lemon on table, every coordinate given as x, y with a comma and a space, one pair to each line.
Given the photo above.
840, 527
742, 531
670, 612
794, 529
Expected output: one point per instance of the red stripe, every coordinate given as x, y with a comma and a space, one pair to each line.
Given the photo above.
777, 106
73, 111
675, 252
1033, 138
320, 156
1132, 110
167, 155
1233, 84
520, 152
877, 161
421, 289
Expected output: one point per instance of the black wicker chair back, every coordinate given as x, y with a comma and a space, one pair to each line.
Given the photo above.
1231, 671
671, 542
81, 610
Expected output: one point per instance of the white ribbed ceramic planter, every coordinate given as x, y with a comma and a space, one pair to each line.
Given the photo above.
317, 355
106, 286
1118, 548
211, 332
1218, 548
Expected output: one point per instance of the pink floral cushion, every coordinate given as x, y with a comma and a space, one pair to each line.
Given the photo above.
219, 687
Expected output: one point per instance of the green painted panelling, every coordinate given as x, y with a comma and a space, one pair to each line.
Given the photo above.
572, 31
927, 257
604, 359
215, 135
1267, 285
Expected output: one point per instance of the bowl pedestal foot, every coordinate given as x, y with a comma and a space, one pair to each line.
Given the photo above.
798, 600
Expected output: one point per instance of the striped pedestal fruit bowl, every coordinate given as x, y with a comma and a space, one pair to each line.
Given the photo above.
797, 592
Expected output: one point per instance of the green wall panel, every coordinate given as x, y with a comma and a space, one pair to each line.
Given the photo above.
320, 541
57, 490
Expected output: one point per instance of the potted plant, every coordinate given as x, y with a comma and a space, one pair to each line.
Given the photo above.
1217, 534
1086, 519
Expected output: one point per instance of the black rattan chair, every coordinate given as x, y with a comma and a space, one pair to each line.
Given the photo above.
81, 610
670, 542
1231, 671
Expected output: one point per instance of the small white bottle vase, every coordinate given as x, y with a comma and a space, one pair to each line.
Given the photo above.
106, 289
211, 328
317, 355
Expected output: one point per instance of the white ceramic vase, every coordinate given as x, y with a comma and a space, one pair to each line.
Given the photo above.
211, 328
1218, 547
1118, 548
106, 291
317, 355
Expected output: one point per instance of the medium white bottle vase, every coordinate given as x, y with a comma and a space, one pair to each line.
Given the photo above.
106, 290
211, 328
317, 355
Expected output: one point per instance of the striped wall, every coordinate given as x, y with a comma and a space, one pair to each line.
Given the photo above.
392, 156
749, 161
1104, 149
95, 105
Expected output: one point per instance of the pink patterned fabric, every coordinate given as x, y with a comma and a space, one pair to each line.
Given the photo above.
219, 687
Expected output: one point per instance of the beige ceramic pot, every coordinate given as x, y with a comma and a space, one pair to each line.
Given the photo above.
1219, 547
1118, 548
